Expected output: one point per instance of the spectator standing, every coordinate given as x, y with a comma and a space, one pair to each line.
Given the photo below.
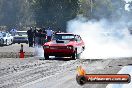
44, 39
34, 36
13, 32
40, 37
37, 38
30, 37
49, 33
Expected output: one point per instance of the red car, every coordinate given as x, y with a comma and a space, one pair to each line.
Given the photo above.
64, 45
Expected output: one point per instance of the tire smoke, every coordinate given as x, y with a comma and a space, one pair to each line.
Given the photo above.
103, 39
39, 52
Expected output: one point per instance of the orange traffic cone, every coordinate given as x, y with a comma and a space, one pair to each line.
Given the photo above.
21, 53
81, 71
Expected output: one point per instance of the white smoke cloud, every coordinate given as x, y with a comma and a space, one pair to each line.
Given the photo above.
39, 52
102, 38
127, 5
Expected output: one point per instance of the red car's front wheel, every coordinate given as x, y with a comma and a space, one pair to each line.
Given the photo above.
75, 55
46, 57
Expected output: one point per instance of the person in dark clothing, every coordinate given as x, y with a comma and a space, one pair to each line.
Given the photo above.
44, 34
39, 37
34, 35
30, 37
44, 30
44, 39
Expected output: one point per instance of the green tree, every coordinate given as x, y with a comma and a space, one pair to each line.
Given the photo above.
55, 13
15, 13
98, 9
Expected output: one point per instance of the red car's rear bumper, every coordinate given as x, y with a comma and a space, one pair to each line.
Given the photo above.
58, 52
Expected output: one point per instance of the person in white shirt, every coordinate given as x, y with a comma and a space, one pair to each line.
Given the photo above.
49, 33
13, 32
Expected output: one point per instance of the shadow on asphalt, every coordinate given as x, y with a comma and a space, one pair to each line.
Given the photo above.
58, 59
1, 45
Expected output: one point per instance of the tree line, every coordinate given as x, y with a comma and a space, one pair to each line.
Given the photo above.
56, 13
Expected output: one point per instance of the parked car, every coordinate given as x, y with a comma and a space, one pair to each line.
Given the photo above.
5, 38
1, 39
21, 37
64, 45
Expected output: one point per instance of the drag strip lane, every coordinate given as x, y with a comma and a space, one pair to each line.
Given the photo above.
67, 78
32, 73
37, 73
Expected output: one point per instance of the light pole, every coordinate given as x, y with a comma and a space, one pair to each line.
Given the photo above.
91, 7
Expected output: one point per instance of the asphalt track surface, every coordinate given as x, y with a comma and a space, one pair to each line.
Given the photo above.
12, 51
35, 72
